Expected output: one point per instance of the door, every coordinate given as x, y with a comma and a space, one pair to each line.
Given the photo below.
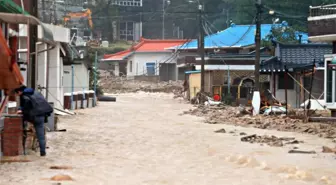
150, 69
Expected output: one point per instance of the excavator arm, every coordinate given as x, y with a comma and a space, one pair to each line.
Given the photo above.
71, 15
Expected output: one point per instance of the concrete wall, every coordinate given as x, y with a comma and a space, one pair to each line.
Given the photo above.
294, 96
168, 72
60, 34
81, 78
280, 94
112, 67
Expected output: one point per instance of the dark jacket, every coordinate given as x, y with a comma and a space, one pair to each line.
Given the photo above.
33, 104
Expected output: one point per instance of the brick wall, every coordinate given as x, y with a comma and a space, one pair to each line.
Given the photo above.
12, 136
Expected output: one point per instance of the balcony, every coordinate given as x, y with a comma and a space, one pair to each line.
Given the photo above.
322, 23
136, 3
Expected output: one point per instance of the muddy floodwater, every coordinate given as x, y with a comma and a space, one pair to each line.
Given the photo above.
143, 139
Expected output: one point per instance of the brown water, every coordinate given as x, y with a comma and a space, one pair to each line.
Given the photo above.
141, 139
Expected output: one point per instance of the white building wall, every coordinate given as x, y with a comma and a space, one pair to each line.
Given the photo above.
42, 68
23, 56
81, 78
55, 78
280, 94
139, 61
60, 34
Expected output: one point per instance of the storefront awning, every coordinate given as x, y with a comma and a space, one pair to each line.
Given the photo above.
47, 36
10, 6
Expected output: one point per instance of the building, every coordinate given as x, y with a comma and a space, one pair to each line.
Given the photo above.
234, 43
50, 78
147, 58
291, 72
76, 70
230, 60
322, 28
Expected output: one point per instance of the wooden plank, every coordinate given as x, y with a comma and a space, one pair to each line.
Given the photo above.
323, 119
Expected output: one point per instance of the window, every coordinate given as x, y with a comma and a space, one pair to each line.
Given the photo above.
282, 80
130, 66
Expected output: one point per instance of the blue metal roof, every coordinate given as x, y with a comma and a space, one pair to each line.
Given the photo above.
192, 72
235, 36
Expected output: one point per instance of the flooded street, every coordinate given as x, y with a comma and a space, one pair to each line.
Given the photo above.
143, 139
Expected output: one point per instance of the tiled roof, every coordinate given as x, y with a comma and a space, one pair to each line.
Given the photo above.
296, 57
236, 36
117, 56
275, 65
145, 45
304, 53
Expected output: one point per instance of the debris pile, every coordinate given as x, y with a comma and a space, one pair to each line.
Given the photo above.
270, 140
237, 116
122, 85
326, 149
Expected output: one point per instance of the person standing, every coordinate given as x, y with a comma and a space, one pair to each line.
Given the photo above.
34, 109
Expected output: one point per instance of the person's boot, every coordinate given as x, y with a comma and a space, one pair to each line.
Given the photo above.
43, 154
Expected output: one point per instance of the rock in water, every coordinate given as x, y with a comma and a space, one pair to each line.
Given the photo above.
328, 150
60, 167
61, 178
220, 131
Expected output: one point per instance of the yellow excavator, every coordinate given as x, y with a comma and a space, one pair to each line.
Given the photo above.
80, 23
86, 13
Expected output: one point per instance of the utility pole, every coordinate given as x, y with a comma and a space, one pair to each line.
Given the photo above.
201, 49
95, 78
32, 45
43, 11
257, 41
163, 17
72, 86
256, 94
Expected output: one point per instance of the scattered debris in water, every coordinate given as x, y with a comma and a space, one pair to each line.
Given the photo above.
60, 167
326, 149
221, 131
270, 140
223, 114
301, 152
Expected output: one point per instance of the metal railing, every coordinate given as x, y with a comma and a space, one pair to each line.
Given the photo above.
322, 10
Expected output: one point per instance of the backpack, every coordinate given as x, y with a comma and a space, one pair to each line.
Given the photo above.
39, 106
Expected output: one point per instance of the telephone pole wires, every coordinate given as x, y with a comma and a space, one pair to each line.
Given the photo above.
201, 49
258, 43
256, 93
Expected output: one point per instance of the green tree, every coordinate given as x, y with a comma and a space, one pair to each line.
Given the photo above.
285, 35
103, 16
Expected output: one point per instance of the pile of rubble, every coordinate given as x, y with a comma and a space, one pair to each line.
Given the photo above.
270, 140
240, 117
265, 139
122, 85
